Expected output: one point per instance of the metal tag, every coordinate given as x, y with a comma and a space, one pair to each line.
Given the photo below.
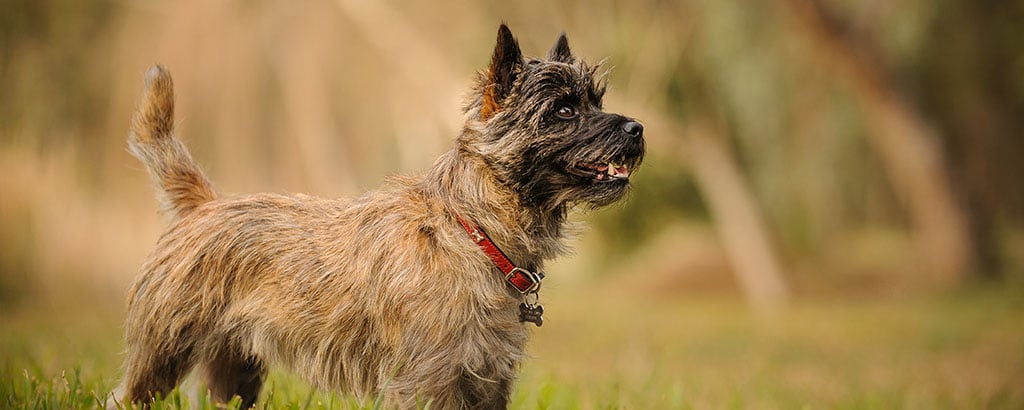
531, 313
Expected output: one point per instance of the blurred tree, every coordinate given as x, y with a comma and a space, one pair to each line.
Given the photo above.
970, 79
695, 116
737, 216
908, 146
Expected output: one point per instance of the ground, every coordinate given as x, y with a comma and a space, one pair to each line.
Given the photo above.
603, 348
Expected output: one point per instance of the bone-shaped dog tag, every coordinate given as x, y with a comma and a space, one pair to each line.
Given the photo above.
531, 313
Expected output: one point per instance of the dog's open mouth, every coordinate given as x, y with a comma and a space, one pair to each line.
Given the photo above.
605, 172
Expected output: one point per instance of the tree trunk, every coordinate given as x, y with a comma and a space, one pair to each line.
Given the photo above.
735, 212
909, 149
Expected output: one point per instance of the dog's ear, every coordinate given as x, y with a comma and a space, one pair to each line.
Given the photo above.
560, 52
506, 63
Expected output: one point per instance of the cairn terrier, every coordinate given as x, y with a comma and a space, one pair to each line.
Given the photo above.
416, 292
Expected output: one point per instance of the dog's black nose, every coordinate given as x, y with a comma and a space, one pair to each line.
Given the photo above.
633, 128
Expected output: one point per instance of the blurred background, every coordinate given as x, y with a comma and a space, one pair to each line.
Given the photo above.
806, 158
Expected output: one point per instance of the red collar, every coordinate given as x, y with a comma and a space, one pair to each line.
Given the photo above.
521, 279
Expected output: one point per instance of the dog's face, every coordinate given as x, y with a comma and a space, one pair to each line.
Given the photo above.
542, 130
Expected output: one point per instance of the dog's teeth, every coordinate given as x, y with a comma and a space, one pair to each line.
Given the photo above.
617, 171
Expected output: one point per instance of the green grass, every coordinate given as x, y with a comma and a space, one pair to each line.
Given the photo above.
600, 348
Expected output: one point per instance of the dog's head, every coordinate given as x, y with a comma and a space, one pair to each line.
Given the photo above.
540, 126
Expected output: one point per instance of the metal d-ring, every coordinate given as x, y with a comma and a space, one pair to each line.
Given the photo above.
536, 298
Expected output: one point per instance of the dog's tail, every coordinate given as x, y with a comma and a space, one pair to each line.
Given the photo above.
181, 184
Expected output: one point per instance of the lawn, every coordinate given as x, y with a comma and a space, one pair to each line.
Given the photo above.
601, 348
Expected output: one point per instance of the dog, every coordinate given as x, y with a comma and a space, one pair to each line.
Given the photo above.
417, 292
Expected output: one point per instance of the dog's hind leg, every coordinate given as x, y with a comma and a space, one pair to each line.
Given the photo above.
228, 373
152, 369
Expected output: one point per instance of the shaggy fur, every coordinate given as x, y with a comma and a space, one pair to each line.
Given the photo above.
384, 293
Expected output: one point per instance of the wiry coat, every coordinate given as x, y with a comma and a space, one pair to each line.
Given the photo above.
384, 292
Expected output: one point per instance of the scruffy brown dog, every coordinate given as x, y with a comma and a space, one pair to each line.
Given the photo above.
409, 291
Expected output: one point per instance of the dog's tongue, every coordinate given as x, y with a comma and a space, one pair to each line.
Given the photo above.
622, 170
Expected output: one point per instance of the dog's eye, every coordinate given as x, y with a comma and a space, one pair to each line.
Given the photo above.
566, 112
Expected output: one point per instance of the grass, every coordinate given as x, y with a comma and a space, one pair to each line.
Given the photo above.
600, 348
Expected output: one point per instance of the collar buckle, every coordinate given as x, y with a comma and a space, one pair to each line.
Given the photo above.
523, 280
